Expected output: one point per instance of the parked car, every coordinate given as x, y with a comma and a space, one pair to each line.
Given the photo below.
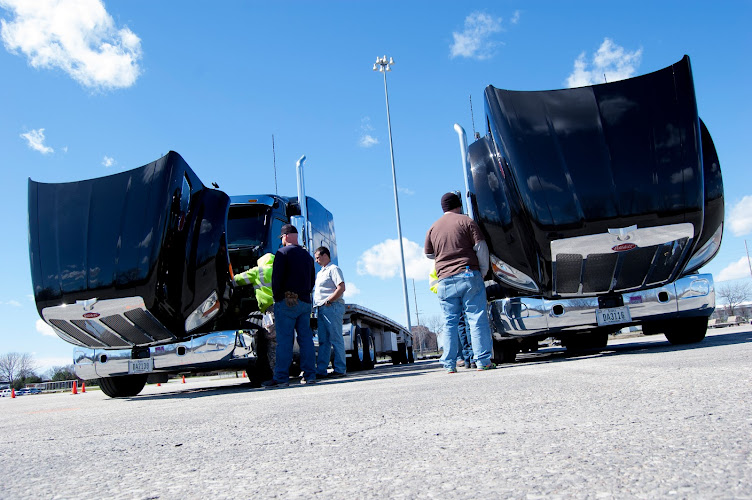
5, 393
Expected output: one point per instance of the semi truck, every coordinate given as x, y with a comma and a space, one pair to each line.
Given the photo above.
136, 271
599, 205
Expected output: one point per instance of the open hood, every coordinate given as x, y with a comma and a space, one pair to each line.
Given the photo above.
154, 233
606, 159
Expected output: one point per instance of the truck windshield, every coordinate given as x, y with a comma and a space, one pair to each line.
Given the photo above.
247, 225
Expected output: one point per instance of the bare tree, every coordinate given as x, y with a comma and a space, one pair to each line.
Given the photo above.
424, 339
59, 373
16, 365
435, 323
734, 294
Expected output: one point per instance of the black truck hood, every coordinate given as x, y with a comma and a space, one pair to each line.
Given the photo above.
154, 232
569, 163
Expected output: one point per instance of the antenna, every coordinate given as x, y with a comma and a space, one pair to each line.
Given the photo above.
472, 117
274, 159
605, 80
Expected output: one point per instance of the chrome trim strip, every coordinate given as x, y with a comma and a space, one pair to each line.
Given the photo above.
692, 295
216, 350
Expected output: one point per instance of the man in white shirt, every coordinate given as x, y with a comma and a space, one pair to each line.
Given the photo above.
327, 297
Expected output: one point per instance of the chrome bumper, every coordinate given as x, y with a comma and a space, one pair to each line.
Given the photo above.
213, 351
692, 295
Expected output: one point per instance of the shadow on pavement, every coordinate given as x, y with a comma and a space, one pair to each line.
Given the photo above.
380, 372
553, 355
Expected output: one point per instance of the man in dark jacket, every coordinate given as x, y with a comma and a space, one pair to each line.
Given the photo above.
293, 277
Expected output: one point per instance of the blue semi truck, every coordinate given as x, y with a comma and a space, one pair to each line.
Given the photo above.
136, 271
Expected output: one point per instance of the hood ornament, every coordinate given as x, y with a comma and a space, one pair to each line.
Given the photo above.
87, 304
622, 233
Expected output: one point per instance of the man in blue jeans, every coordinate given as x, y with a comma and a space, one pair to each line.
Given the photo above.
293, 276
327, 297
460, 255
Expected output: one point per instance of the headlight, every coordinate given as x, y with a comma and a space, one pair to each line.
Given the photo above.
203, 313
706, 252
511, 276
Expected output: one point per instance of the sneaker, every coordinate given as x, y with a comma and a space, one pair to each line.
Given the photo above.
307, 381
451, 370
473, 365
486, 367
336, 375
322, 376
273, 384
468, 364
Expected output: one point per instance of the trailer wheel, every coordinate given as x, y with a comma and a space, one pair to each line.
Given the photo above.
124, 386
355, 361
504, 351
402, 353
686, 330
369, 349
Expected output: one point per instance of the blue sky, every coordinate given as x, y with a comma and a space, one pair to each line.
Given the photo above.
91, 88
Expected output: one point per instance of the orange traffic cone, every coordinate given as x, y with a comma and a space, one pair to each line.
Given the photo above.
75, 388
12, 393
159, 384
184, 379
83, 387
244, 375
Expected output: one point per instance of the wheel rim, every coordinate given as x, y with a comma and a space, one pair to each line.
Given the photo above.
359, 348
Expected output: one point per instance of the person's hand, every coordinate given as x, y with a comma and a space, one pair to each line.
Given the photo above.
291, 299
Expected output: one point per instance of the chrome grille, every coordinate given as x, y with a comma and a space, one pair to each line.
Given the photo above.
590, 265
121, 323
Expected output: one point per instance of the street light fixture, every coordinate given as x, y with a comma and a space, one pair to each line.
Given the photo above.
384, 65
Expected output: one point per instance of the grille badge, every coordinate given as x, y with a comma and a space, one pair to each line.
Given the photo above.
623, 247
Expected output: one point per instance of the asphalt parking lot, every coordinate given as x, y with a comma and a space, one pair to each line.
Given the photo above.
642, 419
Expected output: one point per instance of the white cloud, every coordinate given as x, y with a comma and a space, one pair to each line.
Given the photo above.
45, 329
740, 218
405, 191
475, 40
383, 260
77, 36
351, 290
610, 60
35, 139
515, 17
108, 162
367, 141
12, 303
734, 271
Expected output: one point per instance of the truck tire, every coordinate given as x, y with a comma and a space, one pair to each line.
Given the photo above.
124, 386
686, 330
504, 351
402, 353
355, 361
369, 349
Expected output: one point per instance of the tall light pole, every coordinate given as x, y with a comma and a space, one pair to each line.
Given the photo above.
383, 65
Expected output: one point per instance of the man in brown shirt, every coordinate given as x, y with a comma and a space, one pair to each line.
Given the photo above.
460, 255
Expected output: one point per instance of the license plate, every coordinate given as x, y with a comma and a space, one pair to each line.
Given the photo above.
613, 316
141, 365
